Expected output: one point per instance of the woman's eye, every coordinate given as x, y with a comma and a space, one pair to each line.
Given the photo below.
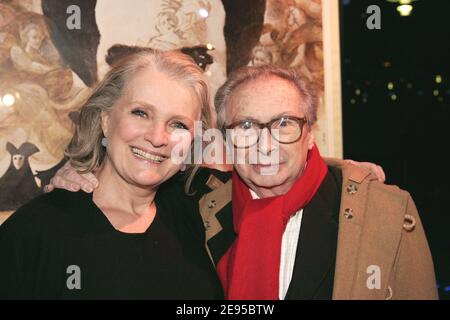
180, 125
139, 113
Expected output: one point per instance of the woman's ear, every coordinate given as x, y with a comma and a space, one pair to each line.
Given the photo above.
104, 122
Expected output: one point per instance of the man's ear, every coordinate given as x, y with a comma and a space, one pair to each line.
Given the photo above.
104, 122
310, 139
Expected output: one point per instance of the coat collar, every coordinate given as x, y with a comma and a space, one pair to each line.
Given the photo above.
216, 211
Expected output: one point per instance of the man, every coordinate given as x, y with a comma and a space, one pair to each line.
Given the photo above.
298, 229
309, 231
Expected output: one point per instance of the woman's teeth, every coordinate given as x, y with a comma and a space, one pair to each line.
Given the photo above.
147, 156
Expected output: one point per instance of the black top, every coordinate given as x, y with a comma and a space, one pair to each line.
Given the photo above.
62, 237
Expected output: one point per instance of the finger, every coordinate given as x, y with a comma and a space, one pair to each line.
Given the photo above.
374, 168
57, 182
49, 188
72, 186
75, 178
91, 178
66, 167
52, 182
348, 161
66, 184
382, 174
379, 174
87, 187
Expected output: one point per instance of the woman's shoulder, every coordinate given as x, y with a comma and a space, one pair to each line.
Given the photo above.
44, 212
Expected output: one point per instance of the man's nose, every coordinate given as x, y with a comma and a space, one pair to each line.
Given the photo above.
265, 143
157, 134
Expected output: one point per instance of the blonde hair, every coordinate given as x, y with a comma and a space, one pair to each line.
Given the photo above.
85, 151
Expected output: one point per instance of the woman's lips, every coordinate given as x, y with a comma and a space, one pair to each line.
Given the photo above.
148, 156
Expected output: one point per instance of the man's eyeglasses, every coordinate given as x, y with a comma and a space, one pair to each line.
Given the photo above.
246, 133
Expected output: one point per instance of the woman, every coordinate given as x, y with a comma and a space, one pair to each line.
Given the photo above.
127, 239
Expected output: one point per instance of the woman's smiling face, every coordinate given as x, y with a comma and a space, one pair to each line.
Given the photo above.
145, 124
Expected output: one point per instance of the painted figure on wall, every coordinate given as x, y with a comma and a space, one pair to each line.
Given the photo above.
48, 69
292, 37
292, 33
18, 176
41, 87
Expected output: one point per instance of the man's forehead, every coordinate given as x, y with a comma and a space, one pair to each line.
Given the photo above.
268, 91
264, 82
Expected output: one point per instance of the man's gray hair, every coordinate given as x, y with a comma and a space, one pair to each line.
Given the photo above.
247, 74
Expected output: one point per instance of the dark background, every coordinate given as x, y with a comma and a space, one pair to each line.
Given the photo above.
407, 134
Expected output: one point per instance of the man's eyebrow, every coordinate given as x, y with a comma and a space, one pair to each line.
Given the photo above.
245, 118
282, 114
249, 118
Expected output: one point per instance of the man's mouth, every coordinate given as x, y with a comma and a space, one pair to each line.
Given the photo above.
268, 169
147, 156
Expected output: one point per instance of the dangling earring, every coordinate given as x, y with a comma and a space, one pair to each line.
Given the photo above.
104, 141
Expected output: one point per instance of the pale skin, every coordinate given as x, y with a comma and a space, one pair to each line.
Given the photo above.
263, 100
259, 101
143, 117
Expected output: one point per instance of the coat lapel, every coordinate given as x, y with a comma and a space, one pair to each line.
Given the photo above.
313, 273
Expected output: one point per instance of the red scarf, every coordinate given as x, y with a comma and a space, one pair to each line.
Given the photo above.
251, 266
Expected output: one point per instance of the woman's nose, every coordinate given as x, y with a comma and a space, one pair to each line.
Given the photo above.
157, 134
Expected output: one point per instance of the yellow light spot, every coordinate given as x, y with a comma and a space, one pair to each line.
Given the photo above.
394, 97
390, 86
352, 101
405, 1
438, 79
209, 46
405, 9
435, 92
8, 100
357, 92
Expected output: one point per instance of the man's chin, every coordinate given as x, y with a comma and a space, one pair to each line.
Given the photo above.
268, 182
